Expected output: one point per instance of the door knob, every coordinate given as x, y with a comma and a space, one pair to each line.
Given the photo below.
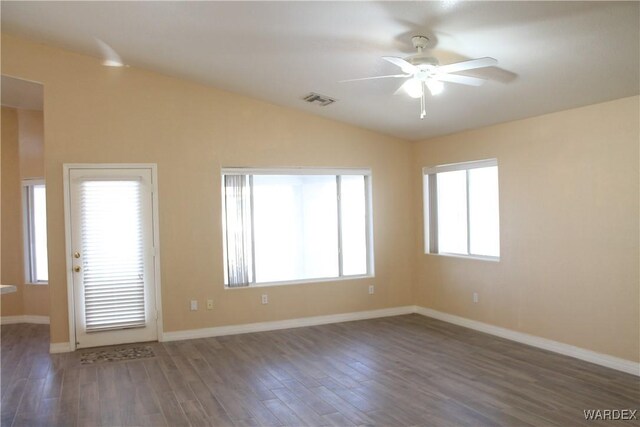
76, 268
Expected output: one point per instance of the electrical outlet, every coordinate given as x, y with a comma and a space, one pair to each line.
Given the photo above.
265, 299
209, 304
372, 289
194, 305
476, 298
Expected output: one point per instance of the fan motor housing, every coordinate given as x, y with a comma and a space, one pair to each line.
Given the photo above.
419, 60
420, 42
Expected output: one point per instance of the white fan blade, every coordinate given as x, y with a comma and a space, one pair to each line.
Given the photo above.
375, 77
463, 80
467, 65
407, 67
110, 56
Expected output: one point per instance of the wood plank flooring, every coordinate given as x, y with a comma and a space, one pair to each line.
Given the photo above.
397, 371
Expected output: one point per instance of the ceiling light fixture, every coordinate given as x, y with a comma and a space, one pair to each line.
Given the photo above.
109, 55
435, 86
413, 88
112, 63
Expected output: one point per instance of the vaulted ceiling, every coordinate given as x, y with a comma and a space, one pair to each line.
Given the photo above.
551, 55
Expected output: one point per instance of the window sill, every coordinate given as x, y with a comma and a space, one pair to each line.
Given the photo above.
473, 257
300, 282
37, 284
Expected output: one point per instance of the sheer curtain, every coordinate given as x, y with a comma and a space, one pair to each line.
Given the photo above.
237, 190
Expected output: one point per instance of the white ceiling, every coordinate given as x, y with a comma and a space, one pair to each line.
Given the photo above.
552, 55
23, 94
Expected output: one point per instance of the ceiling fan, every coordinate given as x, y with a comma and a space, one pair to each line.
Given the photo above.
422, 70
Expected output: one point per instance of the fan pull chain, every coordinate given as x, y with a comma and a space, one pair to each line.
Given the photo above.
423, 110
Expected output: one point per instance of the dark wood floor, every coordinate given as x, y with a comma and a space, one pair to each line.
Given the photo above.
398, 371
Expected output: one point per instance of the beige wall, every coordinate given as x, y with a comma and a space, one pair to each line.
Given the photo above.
31, 137
569, 229
11, 224
24, 145
99, 114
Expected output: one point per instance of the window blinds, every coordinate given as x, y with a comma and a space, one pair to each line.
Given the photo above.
112, 254
238, 225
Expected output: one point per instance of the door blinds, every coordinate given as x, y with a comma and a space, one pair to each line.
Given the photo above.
112, 254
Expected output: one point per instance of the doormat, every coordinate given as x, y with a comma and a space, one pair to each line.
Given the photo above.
116, 354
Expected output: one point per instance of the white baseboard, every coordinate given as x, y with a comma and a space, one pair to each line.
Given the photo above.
284, 324
606, 360
10, 320
601, 359
59, 347
27, 318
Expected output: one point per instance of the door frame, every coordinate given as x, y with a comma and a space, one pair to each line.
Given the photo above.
66, 168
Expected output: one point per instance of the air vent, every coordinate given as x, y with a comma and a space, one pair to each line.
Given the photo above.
321, 100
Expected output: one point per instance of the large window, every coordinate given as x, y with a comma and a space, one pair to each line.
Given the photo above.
35, 232
462, 209
295, 225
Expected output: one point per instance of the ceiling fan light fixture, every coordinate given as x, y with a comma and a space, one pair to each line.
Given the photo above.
413, 88
435, 86
421, 70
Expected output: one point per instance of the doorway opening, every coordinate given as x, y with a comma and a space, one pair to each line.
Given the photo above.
24, 269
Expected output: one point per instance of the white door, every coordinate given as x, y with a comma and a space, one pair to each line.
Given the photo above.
112, 255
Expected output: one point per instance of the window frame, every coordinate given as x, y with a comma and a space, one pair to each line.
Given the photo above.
28, 231
337, 172
430, 201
